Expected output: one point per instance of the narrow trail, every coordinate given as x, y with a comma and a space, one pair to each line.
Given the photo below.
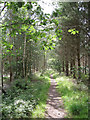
54, 107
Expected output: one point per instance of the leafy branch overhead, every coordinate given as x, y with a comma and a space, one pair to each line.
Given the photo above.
34, 22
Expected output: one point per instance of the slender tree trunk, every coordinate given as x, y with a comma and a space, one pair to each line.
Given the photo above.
74, 72
83, 59
27, 63
85, 64
2, 73
36, 63
89, 42
63, 67
24, 56
10, 57
78, 58
67, 72
44, 60
10, 61
71, 66
34, 66
11, 73
37, 67
30, 67
16, 67
89, 67
11, 77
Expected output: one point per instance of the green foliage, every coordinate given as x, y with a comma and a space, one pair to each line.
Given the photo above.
56, 65
7, 45
75, 99
73, 31
29, 6
76, 108
55, 21
20, 4
48, 72
84, 77
22, 22
22, 98
18, 109
54, 76
56, 13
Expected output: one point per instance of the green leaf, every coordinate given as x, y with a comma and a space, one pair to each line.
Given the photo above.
70, 30
77, 31
55, 14
73, 32
55, 21
11, 46
12, 55
46, 48
20, 4
60, 38
51, 48
8, 51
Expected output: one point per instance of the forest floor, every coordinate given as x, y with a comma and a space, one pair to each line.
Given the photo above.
54, 106
59, 97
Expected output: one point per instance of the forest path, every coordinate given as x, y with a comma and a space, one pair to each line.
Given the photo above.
54, 107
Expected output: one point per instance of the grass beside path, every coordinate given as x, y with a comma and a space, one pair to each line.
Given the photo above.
75, 96
26, 98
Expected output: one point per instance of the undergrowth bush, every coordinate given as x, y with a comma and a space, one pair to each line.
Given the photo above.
22, 98
75, 99
76, 108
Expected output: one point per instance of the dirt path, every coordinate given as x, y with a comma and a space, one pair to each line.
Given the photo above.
54, 107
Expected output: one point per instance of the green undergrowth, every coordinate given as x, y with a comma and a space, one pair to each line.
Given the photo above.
75, 97
51, 73
6, 79
26, 98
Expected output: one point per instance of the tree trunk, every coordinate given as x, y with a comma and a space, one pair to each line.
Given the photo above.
10, 61
67, 72
44, 60
83, 60
78, 58
71, 67
89, 67
2, 73
16, 75
30, 67
34, 66
24, 56
27, 63
63, 67
74, 72
10, 68
11, 75
89, 42
85, 65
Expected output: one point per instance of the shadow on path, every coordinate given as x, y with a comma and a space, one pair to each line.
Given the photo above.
54, 107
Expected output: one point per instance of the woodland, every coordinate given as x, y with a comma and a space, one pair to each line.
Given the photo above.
36, 47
